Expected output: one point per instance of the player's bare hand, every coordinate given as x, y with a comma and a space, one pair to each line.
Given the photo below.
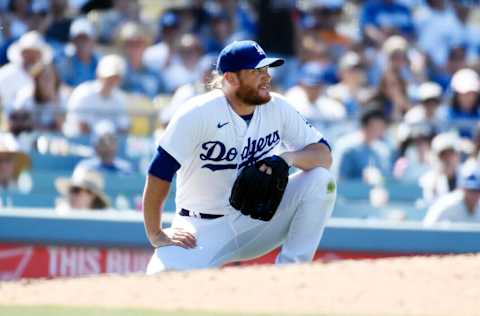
176, 237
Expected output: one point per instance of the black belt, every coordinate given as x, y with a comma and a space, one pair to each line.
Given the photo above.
184, 212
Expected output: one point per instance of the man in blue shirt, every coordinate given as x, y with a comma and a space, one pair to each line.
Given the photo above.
365, 149
79, 62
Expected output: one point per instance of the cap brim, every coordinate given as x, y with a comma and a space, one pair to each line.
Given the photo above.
270, 62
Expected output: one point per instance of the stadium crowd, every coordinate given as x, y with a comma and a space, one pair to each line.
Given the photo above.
393, 84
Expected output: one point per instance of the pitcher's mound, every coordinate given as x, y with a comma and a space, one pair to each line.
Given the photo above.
435, 285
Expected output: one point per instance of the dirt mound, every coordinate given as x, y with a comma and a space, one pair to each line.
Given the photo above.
448, 285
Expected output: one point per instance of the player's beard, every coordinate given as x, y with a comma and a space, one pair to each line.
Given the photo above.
249, 95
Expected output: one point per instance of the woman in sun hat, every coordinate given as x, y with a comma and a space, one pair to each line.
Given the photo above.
83, 191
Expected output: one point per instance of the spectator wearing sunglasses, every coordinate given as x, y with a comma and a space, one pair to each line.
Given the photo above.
83, 191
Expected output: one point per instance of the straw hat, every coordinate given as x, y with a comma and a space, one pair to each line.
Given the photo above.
85, 179
30, 40
9, 146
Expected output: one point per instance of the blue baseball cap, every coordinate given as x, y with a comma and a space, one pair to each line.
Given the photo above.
247, 54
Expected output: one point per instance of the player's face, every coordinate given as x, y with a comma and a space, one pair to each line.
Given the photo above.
254, 86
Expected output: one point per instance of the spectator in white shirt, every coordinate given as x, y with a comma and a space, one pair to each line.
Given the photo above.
29, 52
442, 177
461, 205
98, 100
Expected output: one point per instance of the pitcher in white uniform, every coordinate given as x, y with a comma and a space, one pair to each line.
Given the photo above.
209, 140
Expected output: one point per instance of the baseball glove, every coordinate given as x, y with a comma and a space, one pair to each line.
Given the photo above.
258, 194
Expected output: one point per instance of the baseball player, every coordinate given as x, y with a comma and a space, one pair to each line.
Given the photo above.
210, 140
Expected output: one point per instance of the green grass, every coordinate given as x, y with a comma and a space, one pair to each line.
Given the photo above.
91, 311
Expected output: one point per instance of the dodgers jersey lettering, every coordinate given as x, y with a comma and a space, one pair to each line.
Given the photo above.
212, 142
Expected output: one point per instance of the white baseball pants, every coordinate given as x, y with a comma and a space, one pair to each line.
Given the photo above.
297, 226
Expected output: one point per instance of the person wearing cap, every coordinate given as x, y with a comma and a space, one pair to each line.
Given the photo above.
25, 55
133, 38
464, 108
443, 173
309, 99
98, 100
104, 140
207, 143
430, 97
13, 161
414, 157
459, 206
364, 148
351, 90
84, 190
78, 62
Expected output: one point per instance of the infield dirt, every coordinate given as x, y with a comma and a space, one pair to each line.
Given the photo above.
434, 285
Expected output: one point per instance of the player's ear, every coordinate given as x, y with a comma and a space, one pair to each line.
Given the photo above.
232, 79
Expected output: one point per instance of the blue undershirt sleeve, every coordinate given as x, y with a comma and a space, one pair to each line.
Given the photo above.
163, 165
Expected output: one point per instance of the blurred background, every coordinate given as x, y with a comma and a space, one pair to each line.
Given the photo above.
88, 87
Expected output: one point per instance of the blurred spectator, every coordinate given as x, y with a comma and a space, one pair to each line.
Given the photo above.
442, 176
473, 159
104, 140
309, 99
464, 10
380, 19
97, 100
461, 205
365, 148
321, 19
464, 109
45, 100
110, 22
158, 56
58, 30
457, 60
79, 61
414, 158
391, 95
219, 31
12, 162
19, 121
439, 30
83, 191
184, 67
189, 90
133, 39
429, 94
351, 90
25, 55
19, 14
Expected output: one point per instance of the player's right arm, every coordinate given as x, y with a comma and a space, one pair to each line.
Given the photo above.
176, 147
155, 193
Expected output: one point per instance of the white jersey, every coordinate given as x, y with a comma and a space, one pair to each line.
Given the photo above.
211, 142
